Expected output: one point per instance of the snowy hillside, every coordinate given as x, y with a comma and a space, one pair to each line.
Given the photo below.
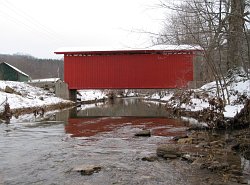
21, 95
200, 99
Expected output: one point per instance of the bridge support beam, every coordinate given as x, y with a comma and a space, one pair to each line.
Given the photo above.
61, 90
72, 95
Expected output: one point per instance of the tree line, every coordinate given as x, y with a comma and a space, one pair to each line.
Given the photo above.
34, 67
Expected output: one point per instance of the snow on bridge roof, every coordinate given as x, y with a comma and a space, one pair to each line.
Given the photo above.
105, 50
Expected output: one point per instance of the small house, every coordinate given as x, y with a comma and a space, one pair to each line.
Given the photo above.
11, 73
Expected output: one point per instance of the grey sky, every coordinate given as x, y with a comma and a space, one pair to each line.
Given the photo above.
38, 27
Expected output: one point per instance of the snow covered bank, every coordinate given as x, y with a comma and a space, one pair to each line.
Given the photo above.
205, 98
91, 95
20, 95
97, 95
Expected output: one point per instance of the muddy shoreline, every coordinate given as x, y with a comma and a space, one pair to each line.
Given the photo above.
36, 110
225, 154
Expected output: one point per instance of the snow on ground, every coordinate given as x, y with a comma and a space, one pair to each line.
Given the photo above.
26, 96
196, 104
90, 95
194, 122
198, 99
162, 96
155, 96
129, 93
232, 110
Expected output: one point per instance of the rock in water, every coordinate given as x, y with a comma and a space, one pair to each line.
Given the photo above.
87, 169
185, 140
168, 150
170, 156
150, 158
176, 138
143, 133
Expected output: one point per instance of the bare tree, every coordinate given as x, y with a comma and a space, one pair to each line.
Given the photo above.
235, 33
218, 26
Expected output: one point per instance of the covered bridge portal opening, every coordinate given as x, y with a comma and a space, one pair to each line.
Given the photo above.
131, 69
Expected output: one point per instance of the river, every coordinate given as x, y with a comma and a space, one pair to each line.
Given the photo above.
37, 151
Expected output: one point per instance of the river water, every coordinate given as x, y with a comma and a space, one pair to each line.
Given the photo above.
37, 151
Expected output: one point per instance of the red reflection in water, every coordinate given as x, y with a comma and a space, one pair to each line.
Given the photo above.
85, 127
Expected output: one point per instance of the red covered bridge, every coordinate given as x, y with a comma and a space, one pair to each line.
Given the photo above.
159, 67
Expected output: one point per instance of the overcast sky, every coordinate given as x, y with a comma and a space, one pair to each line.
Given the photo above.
39, 27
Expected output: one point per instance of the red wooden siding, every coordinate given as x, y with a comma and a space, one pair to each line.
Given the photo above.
127, 71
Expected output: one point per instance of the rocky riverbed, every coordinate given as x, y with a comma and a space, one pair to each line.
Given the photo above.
226, 154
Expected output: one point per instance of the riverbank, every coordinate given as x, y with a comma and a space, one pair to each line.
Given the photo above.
18, 98
205, 105
225, 154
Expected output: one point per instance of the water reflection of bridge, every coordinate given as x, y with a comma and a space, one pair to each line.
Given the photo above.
104, 117
121, 107
128, 107
86, 127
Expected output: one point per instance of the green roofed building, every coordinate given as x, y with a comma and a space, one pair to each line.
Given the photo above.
11, 73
